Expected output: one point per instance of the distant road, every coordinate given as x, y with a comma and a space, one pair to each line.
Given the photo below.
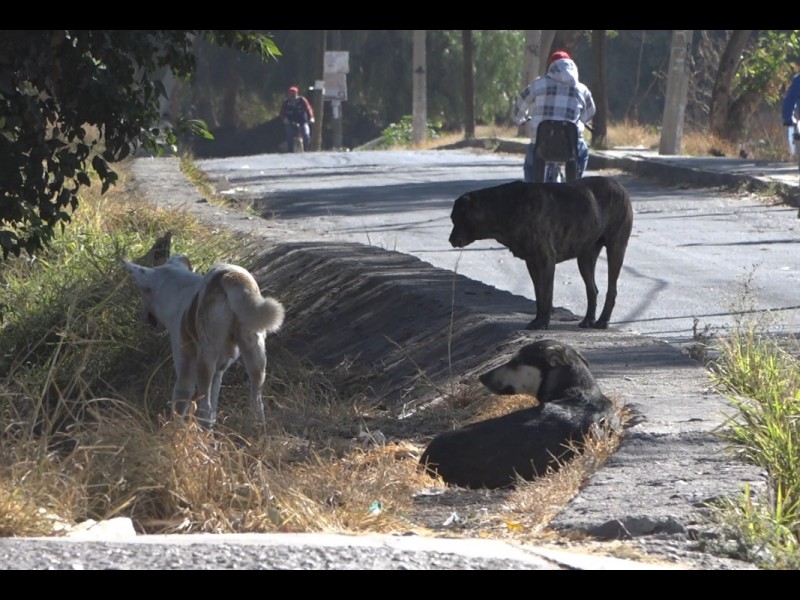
690, 254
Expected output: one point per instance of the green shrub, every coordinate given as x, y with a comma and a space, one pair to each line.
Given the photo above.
761, 378
402, 134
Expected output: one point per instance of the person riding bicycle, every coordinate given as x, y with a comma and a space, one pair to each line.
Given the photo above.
560, 96
296, 113
790, 101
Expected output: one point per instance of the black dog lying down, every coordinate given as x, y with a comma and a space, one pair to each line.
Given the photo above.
526, 442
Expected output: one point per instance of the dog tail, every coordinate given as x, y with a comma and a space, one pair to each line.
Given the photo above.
269, 315
261, 313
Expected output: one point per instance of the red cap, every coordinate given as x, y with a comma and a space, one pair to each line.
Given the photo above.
294, 89
557, 56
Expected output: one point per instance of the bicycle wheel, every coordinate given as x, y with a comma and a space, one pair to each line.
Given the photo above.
553, 173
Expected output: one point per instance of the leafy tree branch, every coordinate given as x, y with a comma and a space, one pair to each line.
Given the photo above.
75, 101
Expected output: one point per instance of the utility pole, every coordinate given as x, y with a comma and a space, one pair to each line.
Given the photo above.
337, 65
469, 85
548, 37
419, 118
336, 105
677, 88
319, 102
600, 89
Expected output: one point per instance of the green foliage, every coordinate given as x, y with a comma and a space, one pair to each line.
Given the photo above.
498, 61
402, 134
762, 381
379, 82
74, 101
751, 533
765, 69
498, 81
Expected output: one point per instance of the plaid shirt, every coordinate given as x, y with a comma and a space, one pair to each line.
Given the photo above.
556, 96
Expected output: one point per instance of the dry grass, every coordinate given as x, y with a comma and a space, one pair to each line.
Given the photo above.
766, 141
537, 502
84, 434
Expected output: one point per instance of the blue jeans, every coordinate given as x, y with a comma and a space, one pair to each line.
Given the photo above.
583, 160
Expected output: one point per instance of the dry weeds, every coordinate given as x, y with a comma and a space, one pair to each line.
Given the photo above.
84, 434
765, 141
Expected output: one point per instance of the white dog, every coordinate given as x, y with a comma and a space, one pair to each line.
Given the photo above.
211, 319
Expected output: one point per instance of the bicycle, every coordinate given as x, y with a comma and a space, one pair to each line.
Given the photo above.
299, 144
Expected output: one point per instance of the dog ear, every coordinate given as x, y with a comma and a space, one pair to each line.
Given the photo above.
460, 205
555, 356
580, 357
560, 355
159, 253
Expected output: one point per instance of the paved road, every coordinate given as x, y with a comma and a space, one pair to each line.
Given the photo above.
692, 254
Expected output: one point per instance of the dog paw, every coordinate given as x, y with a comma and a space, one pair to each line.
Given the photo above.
536, 324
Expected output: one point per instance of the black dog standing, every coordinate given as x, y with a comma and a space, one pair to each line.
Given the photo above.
545, 224
525, 443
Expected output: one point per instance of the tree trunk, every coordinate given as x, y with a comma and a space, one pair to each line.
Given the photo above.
600, 89
739, 114
419, 117
231, 91
677, 88
531, 61
567, 40
469, 85
721, 93
632, 112
548, 37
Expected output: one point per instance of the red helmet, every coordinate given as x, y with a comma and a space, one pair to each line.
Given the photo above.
294, 89
557, 56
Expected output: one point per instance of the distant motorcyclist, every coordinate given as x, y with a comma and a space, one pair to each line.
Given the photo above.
296, 113
560, 96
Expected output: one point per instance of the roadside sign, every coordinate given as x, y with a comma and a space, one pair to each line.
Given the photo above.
335, 86
337, 65
337, 62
